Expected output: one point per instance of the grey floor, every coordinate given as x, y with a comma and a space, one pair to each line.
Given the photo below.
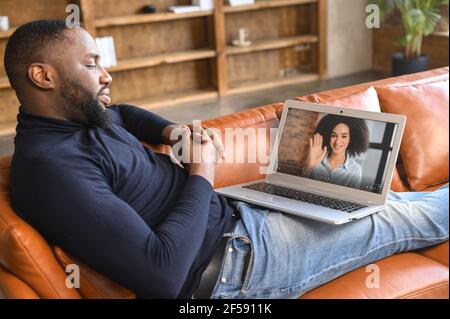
186, 113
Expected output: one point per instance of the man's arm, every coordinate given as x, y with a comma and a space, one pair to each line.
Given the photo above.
149, 127
144, 125
76, 209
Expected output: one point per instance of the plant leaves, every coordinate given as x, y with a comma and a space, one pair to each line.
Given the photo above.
432, 18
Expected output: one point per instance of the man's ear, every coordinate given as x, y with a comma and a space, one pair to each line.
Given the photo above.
41, 75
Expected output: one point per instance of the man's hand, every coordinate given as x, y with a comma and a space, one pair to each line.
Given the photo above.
204, 165
178, 131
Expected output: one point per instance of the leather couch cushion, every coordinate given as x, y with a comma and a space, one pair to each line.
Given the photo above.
92, 284
365, 99
404, 276
362, 99
424, 148
409, 79
23, 251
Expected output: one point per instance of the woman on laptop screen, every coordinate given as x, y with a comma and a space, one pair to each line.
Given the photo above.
336, 142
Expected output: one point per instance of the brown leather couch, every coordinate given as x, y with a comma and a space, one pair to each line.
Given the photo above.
30, 268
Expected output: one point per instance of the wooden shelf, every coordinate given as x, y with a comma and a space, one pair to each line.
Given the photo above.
262, 85
178, 98
165, 58
265, 5
272, 44
444, 34
7, 34
147, 18
4, 83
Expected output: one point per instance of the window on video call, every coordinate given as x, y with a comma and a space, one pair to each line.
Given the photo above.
336, 149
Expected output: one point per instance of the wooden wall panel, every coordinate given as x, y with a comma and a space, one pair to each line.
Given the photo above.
290, 58
319, 26
220, 69
87, 15
247, 67
111, 8
144, 39
28, 10
2, 54
269, 23
267, 65
161, 80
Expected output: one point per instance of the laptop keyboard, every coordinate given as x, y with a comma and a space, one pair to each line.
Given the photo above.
305, 197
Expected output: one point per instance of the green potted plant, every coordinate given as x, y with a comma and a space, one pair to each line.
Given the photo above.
419, 18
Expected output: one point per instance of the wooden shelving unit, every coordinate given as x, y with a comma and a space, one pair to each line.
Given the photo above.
177, 98
166, 58
148, 18
7, 34
290, 49
272, 44
4, 83
264, 85
7, 128
266, 4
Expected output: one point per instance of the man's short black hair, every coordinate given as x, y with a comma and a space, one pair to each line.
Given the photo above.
31, 43
359, 132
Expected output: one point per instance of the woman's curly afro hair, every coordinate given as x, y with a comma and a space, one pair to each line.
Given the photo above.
359, 132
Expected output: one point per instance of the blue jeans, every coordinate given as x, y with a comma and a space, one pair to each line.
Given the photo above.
276, 255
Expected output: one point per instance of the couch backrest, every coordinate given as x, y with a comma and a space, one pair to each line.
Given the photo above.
425, 144
410, 79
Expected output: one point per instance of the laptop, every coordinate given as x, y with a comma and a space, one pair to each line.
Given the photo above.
328, 163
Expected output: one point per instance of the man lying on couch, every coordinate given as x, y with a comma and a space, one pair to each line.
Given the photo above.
82, 178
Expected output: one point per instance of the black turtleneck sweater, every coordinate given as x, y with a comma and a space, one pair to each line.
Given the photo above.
124, 210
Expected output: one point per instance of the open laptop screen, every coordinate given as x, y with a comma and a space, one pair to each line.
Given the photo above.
337, 149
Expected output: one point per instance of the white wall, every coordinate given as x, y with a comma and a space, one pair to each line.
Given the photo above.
349, 41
